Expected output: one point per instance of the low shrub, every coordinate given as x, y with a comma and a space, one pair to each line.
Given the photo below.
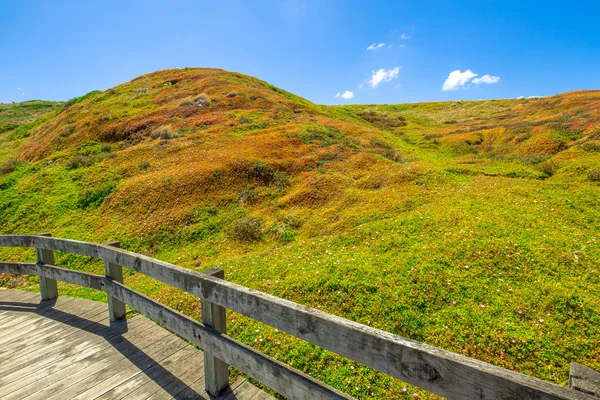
79, 161
67, 131
202, 100
323, 134
290, 221
548, 167
96, 196
164, 132
592, 146
261, 171
594, 175
249, 195
248, 229
232, 94
281, 180
9, 166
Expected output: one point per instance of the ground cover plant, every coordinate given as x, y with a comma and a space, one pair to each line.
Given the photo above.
472, 225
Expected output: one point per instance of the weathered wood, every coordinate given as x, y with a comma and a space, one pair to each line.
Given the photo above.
84, 352
282, 378
112, 376
584, 379
216, 371
48, 288
51, 384
51, 337
116, 308
142, 386
439, 371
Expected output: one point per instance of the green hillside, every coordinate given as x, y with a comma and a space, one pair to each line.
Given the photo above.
470, 225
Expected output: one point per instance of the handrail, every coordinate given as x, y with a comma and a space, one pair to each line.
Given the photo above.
439, 371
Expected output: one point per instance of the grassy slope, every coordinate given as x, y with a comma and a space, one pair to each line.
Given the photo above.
472, 226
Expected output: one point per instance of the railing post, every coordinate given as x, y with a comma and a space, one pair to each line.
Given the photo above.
216, 371
48, 289
584, 379
114, 272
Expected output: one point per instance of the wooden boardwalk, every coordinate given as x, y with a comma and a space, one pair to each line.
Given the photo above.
66, 349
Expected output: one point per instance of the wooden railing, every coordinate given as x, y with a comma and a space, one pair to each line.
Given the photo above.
439, 371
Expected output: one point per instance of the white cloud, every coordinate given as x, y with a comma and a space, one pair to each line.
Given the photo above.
486, 79
383, 75
375, 47
458, 79
346, 95
404, 36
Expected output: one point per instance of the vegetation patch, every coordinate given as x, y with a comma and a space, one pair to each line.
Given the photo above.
248, 229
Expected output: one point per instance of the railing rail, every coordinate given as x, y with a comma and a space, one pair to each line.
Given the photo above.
439, 371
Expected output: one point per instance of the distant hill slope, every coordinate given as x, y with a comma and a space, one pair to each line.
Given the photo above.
469, 225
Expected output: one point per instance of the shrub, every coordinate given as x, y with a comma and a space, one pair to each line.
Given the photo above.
261, 171
548, 167
9, 166
281, 233
591, 146
163, 132
144, 165
232, 94
290, 221
247, 229
326, 135
67, 131
79, 161
281, 180
594, 175
249, 195
96, 196
202, 100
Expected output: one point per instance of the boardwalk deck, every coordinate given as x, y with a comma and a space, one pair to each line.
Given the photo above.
66, 349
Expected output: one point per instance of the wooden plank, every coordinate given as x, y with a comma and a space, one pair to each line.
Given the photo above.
441, 372
245, 391
51, 273
46, 387
263, 396
62, 316
216, 371
190, 372
34, 320
71, 324
98, 384
108, 376
82, 354
116, 309
64, 347
280, 377
80, 342
144, 384
584, 379
48, 288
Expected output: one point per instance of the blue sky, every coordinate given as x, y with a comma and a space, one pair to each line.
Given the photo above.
316, 49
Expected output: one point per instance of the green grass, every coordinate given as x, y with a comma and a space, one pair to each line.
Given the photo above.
468, 247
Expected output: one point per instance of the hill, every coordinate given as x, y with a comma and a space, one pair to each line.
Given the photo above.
468, 225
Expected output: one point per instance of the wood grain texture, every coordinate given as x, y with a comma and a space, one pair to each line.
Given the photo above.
280, 377
216, 371
132, 359
116, 308
48, 287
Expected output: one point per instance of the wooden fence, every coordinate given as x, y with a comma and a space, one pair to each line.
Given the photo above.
439, 371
